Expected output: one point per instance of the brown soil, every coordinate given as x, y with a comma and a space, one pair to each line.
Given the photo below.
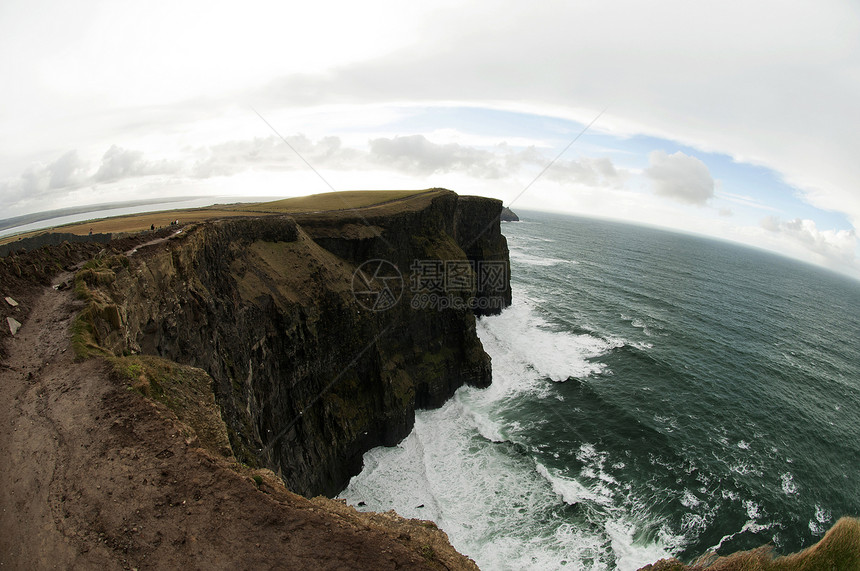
94, 475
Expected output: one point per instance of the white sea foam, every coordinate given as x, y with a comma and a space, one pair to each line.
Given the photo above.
570, 490
693, 523
745, 468
753, 509
498, 505
819, 524
689, 499
630, 554
750, 526
486, 426
527, 342
640, 323
788, 485
519, 257
668, 423
492, 503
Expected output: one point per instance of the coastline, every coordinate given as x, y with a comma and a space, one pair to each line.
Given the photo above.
136, 409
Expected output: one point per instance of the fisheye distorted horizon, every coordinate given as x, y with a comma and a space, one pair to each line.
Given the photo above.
732, 121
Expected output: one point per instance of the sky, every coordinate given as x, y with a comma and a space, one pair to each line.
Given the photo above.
735, 119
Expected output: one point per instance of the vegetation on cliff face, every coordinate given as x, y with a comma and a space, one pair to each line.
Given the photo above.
185, 390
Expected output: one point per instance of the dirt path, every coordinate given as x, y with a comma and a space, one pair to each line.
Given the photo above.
31, 445
153, 242
95, 476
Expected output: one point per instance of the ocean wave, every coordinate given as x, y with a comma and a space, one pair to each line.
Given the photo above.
689, 499
628, 550
821, 521
648, 325
750, 526
571, 491
528, 342
521, 257
788, 486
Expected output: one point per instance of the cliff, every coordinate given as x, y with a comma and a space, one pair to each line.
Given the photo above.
101, 477
51, 239
509, 215
314, 357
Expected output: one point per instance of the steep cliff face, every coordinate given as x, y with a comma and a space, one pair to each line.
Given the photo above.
479, 233
308, 374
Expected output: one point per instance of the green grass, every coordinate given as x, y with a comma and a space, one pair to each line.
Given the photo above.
83, 336
94, 275
428, 553
330, 201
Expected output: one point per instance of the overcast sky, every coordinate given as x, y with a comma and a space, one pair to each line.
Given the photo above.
733, 119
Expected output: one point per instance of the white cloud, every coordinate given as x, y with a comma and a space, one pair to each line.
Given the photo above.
415, 153
418, 155
39, 180
835, 247
68, 181
68, 170
44, 186
747, 201
680, 177
118, 163
591, 171
271, 153
735, 78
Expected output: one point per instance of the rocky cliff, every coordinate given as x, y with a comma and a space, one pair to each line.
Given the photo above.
51, 239
323, 332
509, 215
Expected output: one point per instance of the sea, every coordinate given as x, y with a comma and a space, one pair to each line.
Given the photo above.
654, 394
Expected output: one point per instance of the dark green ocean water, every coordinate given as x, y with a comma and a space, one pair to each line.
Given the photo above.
654, 394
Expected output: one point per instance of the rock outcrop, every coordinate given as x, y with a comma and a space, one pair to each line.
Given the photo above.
50, 239
509, 215
309, 375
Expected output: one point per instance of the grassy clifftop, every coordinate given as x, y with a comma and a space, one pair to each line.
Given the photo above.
348, 200
329, 202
